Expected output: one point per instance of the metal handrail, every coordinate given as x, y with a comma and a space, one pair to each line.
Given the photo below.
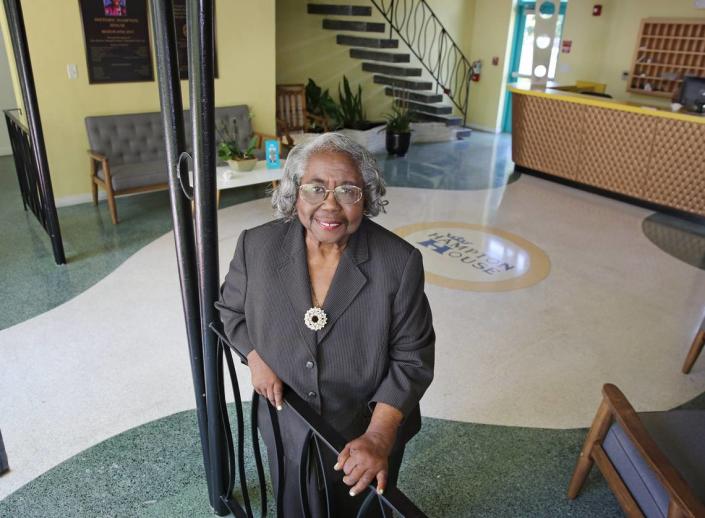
34, 196
12, 115
426, 37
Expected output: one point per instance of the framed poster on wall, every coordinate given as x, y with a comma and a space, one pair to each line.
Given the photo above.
179, 7
116, 34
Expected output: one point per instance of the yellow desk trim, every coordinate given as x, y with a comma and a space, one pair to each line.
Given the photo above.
605, 103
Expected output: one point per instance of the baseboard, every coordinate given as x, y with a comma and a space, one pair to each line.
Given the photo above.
77, 199
4, 151
486, 129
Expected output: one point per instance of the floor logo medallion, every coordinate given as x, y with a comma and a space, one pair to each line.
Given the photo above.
471, 257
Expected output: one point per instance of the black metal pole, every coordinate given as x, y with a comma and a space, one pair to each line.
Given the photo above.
18, 36
175, 142
199, 17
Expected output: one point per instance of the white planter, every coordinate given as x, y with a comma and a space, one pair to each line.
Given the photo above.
432, 132
371, 139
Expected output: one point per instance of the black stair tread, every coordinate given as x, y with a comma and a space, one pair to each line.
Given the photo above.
348, 25
361, 41
340, 10
402, 83
424, 97
437, 109
390, 70
375, 55
450, 120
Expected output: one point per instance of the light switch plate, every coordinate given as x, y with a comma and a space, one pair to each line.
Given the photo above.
625, 75
72, 71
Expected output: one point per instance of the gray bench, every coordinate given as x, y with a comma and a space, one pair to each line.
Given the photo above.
127, 152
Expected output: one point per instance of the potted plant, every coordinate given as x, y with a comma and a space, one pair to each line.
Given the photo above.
398, 128
322, 109
229, 150
352, 117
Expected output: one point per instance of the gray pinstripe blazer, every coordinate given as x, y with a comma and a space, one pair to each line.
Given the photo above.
378, 344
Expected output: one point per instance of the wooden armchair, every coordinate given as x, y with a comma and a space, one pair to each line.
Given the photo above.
292, 115
654, 462
695, 349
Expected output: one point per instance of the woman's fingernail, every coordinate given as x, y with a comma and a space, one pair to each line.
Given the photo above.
380, 491
352, 493
280, 408
336, 467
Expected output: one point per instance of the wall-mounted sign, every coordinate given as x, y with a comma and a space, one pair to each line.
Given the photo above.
179, 7
117, 41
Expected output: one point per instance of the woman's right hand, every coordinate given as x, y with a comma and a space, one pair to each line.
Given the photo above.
264, 380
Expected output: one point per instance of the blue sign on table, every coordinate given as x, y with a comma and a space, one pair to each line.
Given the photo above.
271, 149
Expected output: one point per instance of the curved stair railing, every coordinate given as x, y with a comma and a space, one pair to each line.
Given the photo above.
419, 27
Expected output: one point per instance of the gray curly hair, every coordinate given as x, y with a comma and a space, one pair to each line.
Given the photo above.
284, 196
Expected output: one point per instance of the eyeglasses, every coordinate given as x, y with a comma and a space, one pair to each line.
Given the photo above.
316, 193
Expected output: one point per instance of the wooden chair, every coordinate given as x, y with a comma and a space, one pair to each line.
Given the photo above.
695, 349
292, 115
4, 464
654, 462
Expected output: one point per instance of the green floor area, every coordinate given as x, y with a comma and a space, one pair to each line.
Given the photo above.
32, 283
451, 469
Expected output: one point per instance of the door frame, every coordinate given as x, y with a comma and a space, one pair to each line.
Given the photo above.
515, 57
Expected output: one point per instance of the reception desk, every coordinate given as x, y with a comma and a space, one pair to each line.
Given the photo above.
642, 154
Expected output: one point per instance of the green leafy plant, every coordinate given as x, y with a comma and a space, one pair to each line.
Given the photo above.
351, 113
228, 146
320, 103
400, 118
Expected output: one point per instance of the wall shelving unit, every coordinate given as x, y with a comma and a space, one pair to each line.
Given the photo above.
667, 49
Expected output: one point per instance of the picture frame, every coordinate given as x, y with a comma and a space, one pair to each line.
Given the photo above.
271, 151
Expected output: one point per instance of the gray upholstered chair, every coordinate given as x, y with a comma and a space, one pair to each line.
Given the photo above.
127, 153
654, 462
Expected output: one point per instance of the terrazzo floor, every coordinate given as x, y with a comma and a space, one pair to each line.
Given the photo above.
527, 363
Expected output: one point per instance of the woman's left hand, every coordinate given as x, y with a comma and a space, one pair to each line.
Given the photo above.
366, 458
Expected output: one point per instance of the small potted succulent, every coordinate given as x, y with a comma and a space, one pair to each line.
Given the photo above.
229, 150
398, 128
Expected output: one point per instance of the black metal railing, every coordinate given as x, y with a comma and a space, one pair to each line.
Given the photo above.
418, 26
28, 140
28, 176
321, 435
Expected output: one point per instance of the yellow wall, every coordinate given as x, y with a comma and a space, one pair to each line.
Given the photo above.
246, 55
492, 23
625, 18
305, 50
588, 34
10, 59
7, 95
603, 47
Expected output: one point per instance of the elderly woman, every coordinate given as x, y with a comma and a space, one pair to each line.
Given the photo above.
333, 305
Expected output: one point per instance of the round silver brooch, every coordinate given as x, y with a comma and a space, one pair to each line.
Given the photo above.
315, 319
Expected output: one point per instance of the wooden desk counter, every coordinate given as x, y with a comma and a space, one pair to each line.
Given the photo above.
646, 154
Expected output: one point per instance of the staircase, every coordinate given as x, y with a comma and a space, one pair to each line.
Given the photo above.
379, 56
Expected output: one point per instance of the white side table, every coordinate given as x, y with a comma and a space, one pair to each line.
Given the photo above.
229, 179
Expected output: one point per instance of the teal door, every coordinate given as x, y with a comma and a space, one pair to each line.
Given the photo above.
522, 51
